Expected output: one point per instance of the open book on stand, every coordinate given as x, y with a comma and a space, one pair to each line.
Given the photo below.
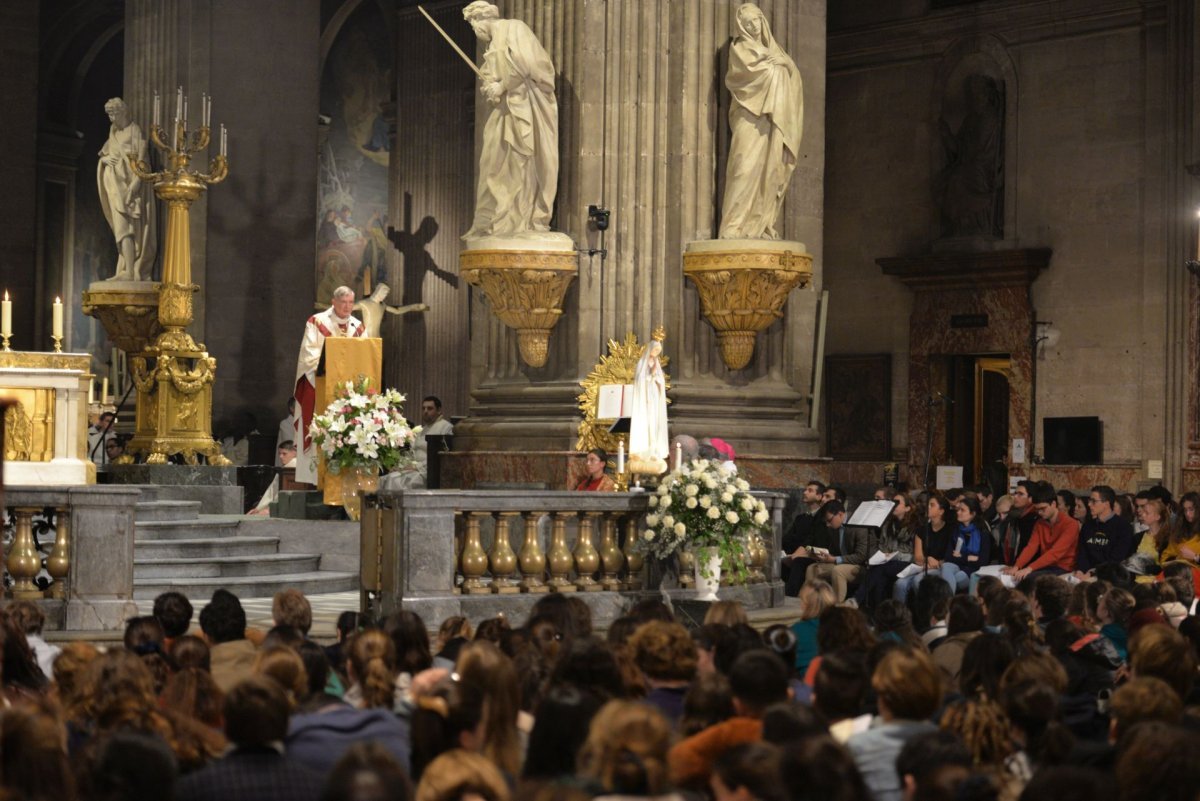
871, 514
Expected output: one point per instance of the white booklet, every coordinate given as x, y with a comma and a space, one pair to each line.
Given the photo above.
912, 570
995, 570
872, 514
881, 558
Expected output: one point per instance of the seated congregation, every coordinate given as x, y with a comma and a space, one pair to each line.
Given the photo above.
1070, 672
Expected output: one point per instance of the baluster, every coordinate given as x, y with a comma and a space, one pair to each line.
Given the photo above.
23, 560
758, 558
610, 555
687, 568
59, 562
634, 559
560, 557
474, 558
533, 561
587, 558
502, 558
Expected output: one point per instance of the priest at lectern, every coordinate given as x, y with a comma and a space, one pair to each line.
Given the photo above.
336, 321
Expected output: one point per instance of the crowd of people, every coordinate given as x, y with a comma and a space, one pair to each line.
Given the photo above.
1067, 672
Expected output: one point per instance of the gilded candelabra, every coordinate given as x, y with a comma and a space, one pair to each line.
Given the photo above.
174, 375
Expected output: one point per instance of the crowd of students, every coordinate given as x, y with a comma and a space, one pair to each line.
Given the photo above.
1055, 679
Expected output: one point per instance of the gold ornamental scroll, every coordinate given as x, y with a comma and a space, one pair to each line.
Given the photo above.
346, 359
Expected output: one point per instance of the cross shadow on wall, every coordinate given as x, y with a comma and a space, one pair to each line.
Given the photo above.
249, 219
417, 262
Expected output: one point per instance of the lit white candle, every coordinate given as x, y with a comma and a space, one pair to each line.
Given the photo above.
678, 456
57, 327
104, 390
6, 316
621, 457
91, 390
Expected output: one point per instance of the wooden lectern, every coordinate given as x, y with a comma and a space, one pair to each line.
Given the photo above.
346, 359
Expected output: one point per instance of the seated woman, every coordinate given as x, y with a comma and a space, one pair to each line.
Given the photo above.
896, 537
931, 545
595, 480
970, 545
1148, 558
1184, 540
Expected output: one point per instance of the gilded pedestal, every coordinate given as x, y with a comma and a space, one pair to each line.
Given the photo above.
743, 284
525, 289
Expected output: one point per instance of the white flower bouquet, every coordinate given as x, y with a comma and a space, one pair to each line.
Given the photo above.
363, 427
704, 506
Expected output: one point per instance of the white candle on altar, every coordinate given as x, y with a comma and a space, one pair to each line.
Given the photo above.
91, 390
57, 326
104, 390
207, 113
621, 457
678, 456
6, 316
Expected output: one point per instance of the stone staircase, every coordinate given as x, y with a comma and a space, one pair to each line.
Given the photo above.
178, 548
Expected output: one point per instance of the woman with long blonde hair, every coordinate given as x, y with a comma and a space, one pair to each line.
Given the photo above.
484, 671
626, 750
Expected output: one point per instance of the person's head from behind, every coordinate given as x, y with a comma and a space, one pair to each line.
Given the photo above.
728, 613
484, 671
1158, 761
28, 616
1162, 652
843, 627
411, 641
223, 619
174, 612
757, 680
815, 597
460, 775
32, 759
367, 771
131, 766
193, 693
821, 769
747, 772
1051, 596
371, 664
286, 667
559, 731
932, 765
907, 685
664, 652
626, 750
291, 608
1142, 699
707, 701
984, 661
841, 684
256, 713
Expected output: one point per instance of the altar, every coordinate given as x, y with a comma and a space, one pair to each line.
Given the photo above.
45, 396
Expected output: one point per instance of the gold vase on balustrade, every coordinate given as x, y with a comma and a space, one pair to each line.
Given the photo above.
687, 568
634, 559
756, 558
587, 558
559, 558
23, 561
531, 558
610, 555
502, 559
474, 559
58, 564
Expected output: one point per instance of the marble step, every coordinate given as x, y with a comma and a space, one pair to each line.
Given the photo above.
201, 589
208, 526
226, 566
204, 548
160, 511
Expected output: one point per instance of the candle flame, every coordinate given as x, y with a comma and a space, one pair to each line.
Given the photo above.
6, 294
57, 300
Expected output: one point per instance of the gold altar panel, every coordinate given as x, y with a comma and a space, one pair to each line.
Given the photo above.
346, 359
28, 424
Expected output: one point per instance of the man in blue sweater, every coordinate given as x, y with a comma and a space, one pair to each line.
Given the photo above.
1105, 536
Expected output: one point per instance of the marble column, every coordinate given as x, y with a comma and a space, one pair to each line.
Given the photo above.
643, 120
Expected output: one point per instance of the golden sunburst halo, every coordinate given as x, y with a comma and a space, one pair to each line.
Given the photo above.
615, 367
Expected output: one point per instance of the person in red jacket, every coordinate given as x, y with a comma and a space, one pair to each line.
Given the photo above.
1055, 538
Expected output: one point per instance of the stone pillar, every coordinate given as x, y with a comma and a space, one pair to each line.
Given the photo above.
643, 114
18, 142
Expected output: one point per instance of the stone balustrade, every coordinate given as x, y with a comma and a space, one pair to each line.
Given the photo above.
82, 537
480, 553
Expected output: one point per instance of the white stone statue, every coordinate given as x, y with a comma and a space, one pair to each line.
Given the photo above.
128, 203
766, 119
518, 166
649, 444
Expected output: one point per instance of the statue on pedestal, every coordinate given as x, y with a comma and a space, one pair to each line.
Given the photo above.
766, 119
128, 203
518, 165
649, 444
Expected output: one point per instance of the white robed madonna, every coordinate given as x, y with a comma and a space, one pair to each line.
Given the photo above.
766, 119
648, 440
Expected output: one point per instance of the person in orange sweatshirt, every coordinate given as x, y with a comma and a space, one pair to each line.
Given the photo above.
1055, 538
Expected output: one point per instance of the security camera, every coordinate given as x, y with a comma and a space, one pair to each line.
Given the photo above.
599, 215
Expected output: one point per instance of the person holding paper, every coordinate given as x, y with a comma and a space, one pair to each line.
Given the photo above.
934, 538
1055, 538
895, 549
971, 545
846, 555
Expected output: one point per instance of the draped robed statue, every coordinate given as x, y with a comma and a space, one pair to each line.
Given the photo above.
127, 203
766, 119
649, 444
518, 165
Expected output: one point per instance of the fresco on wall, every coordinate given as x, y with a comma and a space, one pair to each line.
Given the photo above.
351, 236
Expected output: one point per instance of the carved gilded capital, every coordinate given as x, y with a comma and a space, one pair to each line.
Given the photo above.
525, 289
129, 316
743, 291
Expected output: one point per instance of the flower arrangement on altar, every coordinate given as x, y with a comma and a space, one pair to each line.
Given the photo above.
703, 505
363, 427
